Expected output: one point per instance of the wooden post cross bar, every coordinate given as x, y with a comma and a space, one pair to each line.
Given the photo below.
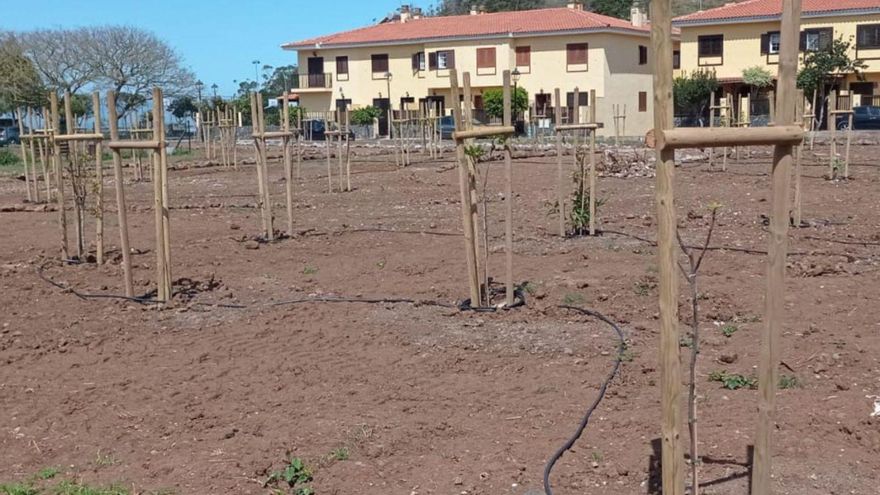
784, 137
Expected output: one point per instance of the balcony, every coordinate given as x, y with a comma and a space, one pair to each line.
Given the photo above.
313, 83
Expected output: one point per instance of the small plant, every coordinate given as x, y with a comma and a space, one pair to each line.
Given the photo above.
530, 287
340, 454
295, 475
18, 489
104, 459
642, 288
48, 473
789, 381
73, 488
573, 299
580, 211
181, 152
733, 381
310, 270
380, 264
597, 456
475, 152
728, 330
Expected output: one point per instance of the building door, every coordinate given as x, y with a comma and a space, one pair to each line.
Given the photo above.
317, 79
383, 104
543, 104
865, 89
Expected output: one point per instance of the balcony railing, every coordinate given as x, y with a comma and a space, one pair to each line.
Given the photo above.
314, 81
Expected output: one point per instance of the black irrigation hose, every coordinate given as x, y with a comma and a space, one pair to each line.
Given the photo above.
146, 300
602, 389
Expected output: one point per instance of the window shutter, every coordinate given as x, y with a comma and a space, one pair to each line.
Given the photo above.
643, 101
803, 44
825, 37
523, 56
432, 61
415, 62
765, 43
450, 59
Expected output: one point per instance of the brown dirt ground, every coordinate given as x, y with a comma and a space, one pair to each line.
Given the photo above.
202, 400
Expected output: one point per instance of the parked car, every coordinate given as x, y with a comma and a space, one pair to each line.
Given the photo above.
9, 135
864, 118
314, 130
447, 126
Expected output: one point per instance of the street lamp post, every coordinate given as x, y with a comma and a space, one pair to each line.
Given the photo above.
256, 72
199, 86
214, 87
388, 76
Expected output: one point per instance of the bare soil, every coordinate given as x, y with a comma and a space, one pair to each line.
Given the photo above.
200, 399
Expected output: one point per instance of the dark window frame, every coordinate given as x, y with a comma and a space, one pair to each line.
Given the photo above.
860, 28
643, 55
577, 54
380, 59
643, 101
710, 46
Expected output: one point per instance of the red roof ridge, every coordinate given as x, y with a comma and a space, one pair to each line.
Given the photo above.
564, 19
763, 9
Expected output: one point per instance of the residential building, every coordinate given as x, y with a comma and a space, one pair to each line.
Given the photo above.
737, 36
408, 57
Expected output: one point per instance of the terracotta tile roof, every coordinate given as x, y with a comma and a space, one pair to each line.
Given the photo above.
772, 9
467, 26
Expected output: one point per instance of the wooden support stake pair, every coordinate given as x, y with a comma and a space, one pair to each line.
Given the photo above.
670, 373
161, 208
619, 123
259, 131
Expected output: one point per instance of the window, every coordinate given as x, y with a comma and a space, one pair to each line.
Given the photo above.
710, 46
676, 59
583, 99
418, 62
486, 58
523, 56
868, 36
576, 53
341, 66
643, 55
770, 43
814, 40
380, 63
643, 101
441, 60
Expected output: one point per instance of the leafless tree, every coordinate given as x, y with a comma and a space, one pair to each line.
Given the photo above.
131, 61
57, 55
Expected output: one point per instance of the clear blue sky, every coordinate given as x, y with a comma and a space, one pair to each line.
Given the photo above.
217, 39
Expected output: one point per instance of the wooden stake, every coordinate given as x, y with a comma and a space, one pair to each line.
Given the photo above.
59, 173
466, 205
849, 134
711, 125
482, 262
831, 118
329, 165
799, 113
32, 149
288, 169
670, 367
264, 166
23, 151
768, 373
121, 211
99, 183
160, 194
592, 163
347, 152
560, 177
78, 211
508, 194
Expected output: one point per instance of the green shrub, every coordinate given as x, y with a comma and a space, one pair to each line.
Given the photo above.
8, 158
365, 116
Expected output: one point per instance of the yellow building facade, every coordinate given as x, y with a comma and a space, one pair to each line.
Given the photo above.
610, 56
730, 39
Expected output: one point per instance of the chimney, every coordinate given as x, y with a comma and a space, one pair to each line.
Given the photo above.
405, 13
478, 9
638, 17
576, 5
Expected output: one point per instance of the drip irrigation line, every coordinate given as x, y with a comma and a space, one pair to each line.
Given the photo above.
392, 231
146, 299
621, 345
720, 248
